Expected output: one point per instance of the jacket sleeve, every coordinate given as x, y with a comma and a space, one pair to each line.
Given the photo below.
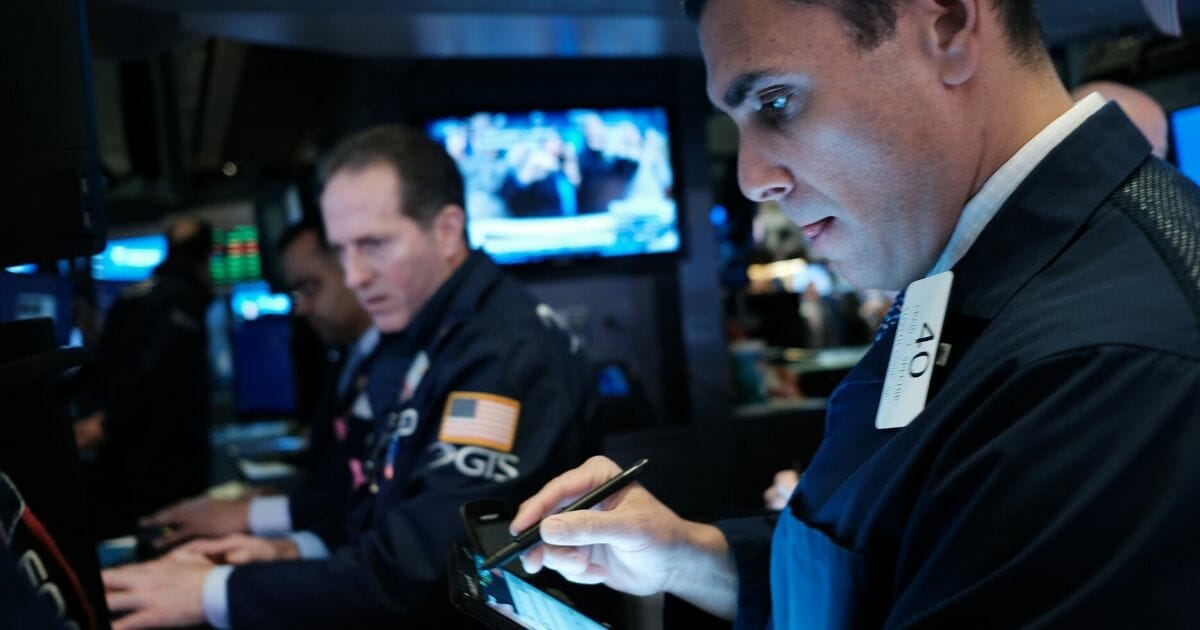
396, 571
1062, 500
750, 543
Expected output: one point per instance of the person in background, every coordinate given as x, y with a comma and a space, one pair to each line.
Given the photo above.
475, 390
319, 296
1048, 475
1141, 108
153, 353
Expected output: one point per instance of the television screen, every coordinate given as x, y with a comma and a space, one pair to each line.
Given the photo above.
1185, 126
251, 300
235, 255
25, 296
263, 383
546, 185
129, 259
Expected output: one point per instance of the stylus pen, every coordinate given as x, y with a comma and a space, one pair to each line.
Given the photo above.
532, 536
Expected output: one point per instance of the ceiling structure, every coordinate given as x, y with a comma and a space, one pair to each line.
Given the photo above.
492, 28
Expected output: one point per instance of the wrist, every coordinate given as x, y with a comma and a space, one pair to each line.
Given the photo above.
285, 549
704, 572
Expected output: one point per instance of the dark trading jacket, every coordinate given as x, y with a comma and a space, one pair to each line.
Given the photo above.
319, 506
1053, 479
482, 332
154, 352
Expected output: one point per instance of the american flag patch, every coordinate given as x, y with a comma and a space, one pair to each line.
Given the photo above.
480, 419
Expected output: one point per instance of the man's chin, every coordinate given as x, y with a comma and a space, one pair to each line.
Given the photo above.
390, 322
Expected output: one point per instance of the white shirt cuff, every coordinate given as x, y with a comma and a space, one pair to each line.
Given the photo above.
310, 546
215, 599
270, 517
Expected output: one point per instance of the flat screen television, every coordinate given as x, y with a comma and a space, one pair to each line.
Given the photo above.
129, 259
554, 185
252, 300
1185, 132
235, 255
263, 382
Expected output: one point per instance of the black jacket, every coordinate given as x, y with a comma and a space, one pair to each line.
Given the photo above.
482, 333
1052, 478
154, 356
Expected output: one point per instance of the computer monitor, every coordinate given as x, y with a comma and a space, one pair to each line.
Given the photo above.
1185, 132
235, 255
130, 259
28, 296
263, 380
252, 300
570, 184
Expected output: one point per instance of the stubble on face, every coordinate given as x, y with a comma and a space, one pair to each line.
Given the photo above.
857, 160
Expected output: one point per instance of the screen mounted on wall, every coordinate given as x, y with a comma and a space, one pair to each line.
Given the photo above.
553, 185
1185, 132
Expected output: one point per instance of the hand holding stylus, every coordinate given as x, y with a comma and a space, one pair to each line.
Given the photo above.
632, 543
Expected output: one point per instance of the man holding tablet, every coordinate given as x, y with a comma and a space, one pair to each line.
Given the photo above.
1019, 447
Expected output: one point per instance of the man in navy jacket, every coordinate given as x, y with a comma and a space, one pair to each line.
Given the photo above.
1049, 477
475, 390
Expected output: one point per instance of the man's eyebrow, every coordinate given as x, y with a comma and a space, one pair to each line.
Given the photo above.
740, 87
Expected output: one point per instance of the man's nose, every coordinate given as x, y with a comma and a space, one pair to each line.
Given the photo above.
761, 177
356, 268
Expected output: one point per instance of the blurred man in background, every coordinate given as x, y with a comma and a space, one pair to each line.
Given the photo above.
1141, 108
154, 356
319, 296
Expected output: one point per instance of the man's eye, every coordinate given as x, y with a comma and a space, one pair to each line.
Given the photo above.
777, 106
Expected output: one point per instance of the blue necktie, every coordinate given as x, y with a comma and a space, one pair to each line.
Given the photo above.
891, 317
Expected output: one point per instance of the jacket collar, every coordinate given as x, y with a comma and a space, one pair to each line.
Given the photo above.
1046, 211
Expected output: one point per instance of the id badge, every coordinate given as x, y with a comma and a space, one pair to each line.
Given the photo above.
914, 351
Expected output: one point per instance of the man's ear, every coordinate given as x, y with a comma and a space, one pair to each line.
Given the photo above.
950, 34
448, 229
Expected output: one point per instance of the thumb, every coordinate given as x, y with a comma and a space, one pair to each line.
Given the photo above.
237, 556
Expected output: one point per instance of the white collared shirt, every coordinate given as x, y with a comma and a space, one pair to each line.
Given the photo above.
997, 189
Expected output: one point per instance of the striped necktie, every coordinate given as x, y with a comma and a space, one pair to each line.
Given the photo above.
890, 319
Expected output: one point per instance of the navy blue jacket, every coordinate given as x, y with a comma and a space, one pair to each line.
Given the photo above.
482, 332
1053, 478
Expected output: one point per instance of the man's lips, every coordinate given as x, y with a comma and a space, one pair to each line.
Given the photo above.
814, 230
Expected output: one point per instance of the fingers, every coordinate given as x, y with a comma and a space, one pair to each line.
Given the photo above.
786, 478
590, 527
161, 518
121, 579
137, 620
124, 600
172, 537
532, 561
228, 550
562, 490
238, 556
170, 515
574, 563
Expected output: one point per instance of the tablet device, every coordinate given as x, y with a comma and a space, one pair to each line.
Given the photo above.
499, 599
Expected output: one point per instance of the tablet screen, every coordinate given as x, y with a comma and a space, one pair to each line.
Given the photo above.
520, 601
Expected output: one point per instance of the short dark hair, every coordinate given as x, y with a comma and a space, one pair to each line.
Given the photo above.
295, 231
189, 241
874, 21
429, 177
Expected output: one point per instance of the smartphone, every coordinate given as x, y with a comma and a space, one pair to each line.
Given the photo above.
500, 599
486, 522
